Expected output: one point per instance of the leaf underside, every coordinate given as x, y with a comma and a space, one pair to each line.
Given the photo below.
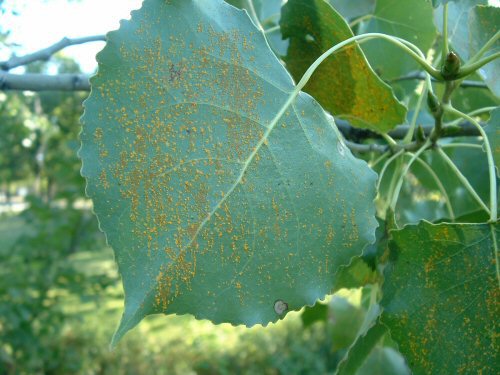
441, 297
221, 196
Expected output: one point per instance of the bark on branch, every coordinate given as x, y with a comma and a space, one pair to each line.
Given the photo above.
44, 82
357, 134
46, 53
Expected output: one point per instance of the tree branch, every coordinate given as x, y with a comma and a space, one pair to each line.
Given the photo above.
46, 53
421, 76
364, 148
44, 82
355, 134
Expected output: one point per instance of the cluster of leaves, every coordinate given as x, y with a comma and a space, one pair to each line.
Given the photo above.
228, 193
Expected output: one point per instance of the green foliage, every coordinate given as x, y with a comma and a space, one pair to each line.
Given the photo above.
240, 179
401, 19
16, 163
441, 296
345, 85
371, 354
483, 24
229, 194
351, 10
36, 274
458, 20
38, 153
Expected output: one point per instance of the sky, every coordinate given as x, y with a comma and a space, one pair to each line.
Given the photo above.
41, 23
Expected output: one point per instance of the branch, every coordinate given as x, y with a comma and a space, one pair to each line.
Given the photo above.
356, 134
362, 148
44, 82
421, 76
46, 53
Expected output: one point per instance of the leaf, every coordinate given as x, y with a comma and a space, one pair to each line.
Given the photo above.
269, 13
313, 314
345, 319
411, 20
441, 297
493, 133
357, 274
483, 24
266, 10
458, 32
468, 99
352, 9
372, 253
344, 84
224, 192
479, 216
421, 198
436, 3
370, 355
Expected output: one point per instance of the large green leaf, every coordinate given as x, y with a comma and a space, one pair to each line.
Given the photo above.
224, 192
344, 84
441, 297
483, 24
458, 30
411, 20
493, 133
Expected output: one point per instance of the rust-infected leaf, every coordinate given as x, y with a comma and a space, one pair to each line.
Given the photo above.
441, 297
224, 188
344, 84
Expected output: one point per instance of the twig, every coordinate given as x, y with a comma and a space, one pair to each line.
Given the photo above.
421, 76
46, 53
440, 186
405, 171
361, 148
356, 134
44, 82
472, 67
